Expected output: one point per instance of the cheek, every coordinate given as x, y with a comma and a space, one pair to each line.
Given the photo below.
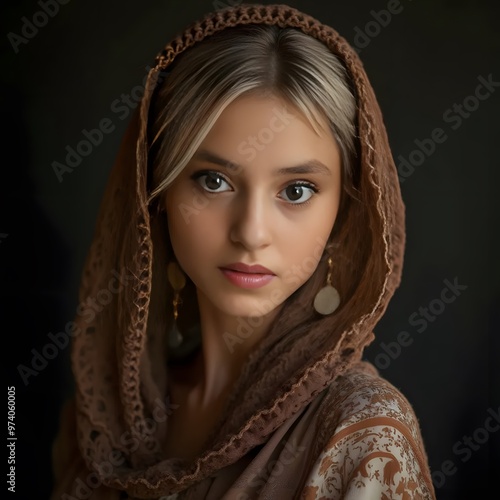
181, 215
309, 241
193, 226
323, 224
305, 254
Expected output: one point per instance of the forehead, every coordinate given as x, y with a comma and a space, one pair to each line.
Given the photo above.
266, 128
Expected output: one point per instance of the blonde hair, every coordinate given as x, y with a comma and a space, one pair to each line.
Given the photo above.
200, 84
204, 80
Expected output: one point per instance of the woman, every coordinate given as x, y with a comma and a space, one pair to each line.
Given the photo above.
254, 221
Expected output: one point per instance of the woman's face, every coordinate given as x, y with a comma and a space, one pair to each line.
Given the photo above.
263, 189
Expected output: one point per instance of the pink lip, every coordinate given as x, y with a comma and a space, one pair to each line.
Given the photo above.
246, 276
245, 268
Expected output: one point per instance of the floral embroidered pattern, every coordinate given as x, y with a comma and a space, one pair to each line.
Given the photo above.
375, 452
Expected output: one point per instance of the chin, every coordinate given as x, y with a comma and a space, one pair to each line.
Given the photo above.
246, 307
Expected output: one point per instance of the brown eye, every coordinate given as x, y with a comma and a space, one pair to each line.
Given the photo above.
298, 193
212, 182
294, 193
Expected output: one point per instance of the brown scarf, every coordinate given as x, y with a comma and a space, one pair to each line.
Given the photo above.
120, 402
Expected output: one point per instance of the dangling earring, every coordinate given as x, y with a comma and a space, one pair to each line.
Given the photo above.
327, 299
177, 280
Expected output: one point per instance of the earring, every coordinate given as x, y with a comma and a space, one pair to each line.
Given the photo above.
327, 299
177, 280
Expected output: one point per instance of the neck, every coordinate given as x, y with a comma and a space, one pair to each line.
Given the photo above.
227, 343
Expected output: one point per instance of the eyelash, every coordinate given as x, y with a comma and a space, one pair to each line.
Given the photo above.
305, 184
198, 175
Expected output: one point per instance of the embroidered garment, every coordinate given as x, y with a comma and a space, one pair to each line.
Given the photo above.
306, 419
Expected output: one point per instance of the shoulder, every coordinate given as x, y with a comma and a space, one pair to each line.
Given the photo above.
361, 394
371, 445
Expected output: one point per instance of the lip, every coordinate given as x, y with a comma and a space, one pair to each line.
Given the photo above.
245, 268
245, 276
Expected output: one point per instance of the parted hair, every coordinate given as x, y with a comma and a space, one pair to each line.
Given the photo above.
202, 81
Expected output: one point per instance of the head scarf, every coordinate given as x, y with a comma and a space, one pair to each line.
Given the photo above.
121, 399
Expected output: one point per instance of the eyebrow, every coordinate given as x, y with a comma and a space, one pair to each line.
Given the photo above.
309, 167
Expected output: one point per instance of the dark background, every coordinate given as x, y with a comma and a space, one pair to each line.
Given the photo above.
425, 60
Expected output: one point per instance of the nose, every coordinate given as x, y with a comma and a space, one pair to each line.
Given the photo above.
251, 224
